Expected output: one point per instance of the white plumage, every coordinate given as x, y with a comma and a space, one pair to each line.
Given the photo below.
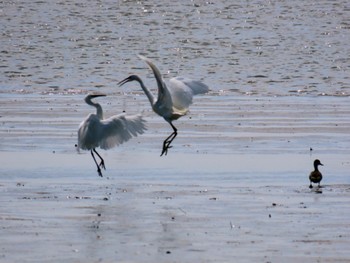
172, 101
106, 134
95, 131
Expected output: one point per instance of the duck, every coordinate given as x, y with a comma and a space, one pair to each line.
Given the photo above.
316, 176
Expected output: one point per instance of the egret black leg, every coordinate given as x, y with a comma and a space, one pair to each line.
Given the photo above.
102, 163
98, 167
168, 140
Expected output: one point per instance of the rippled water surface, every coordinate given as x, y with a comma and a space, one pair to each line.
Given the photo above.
244, 47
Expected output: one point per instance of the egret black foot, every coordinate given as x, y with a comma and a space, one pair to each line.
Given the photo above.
102, 165
99, 172
310, 186
165, 150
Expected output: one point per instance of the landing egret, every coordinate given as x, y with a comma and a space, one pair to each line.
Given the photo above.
173, 100
95, 131
315, 176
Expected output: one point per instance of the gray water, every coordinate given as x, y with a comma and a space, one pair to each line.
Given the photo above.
268, 48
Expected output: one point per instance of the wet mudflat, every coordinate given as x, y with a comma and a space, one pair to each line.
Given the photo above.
234, 186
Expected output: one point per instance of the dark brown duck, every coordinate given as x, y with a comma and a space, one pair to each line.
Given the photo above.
315, 176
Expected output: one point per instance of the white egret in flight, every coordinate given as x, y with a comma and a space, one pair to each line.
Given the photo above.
95, 131
173, 100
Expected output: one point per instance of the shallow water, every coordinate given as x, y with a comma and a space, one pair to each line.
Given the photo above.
234, 185
211, 208
256, 47
216, 124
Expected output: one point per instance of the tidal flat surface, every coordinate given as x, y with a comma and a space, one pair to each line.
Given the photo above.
233, 187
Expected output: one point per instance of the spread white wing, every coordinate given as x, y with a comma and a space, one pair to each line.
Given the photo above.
110, 132
87, 138
120, 128
177, 96
183, 89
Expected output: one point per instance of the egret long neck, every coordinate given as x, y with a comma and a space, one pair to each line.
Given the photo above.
99, 111
147, 92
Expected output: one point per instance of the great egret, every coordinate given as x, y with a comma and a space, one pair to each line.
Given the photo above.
173, 101
95, 131
315, 176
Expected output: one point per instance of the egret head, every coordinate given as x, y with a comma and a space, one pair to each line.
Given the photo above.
128, 79
90, 96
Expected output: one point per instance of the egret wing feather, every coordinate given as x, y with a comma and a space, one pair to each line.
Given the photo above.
155, 70
163, 94
182, 91
89, 132
119, 129
196, 86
